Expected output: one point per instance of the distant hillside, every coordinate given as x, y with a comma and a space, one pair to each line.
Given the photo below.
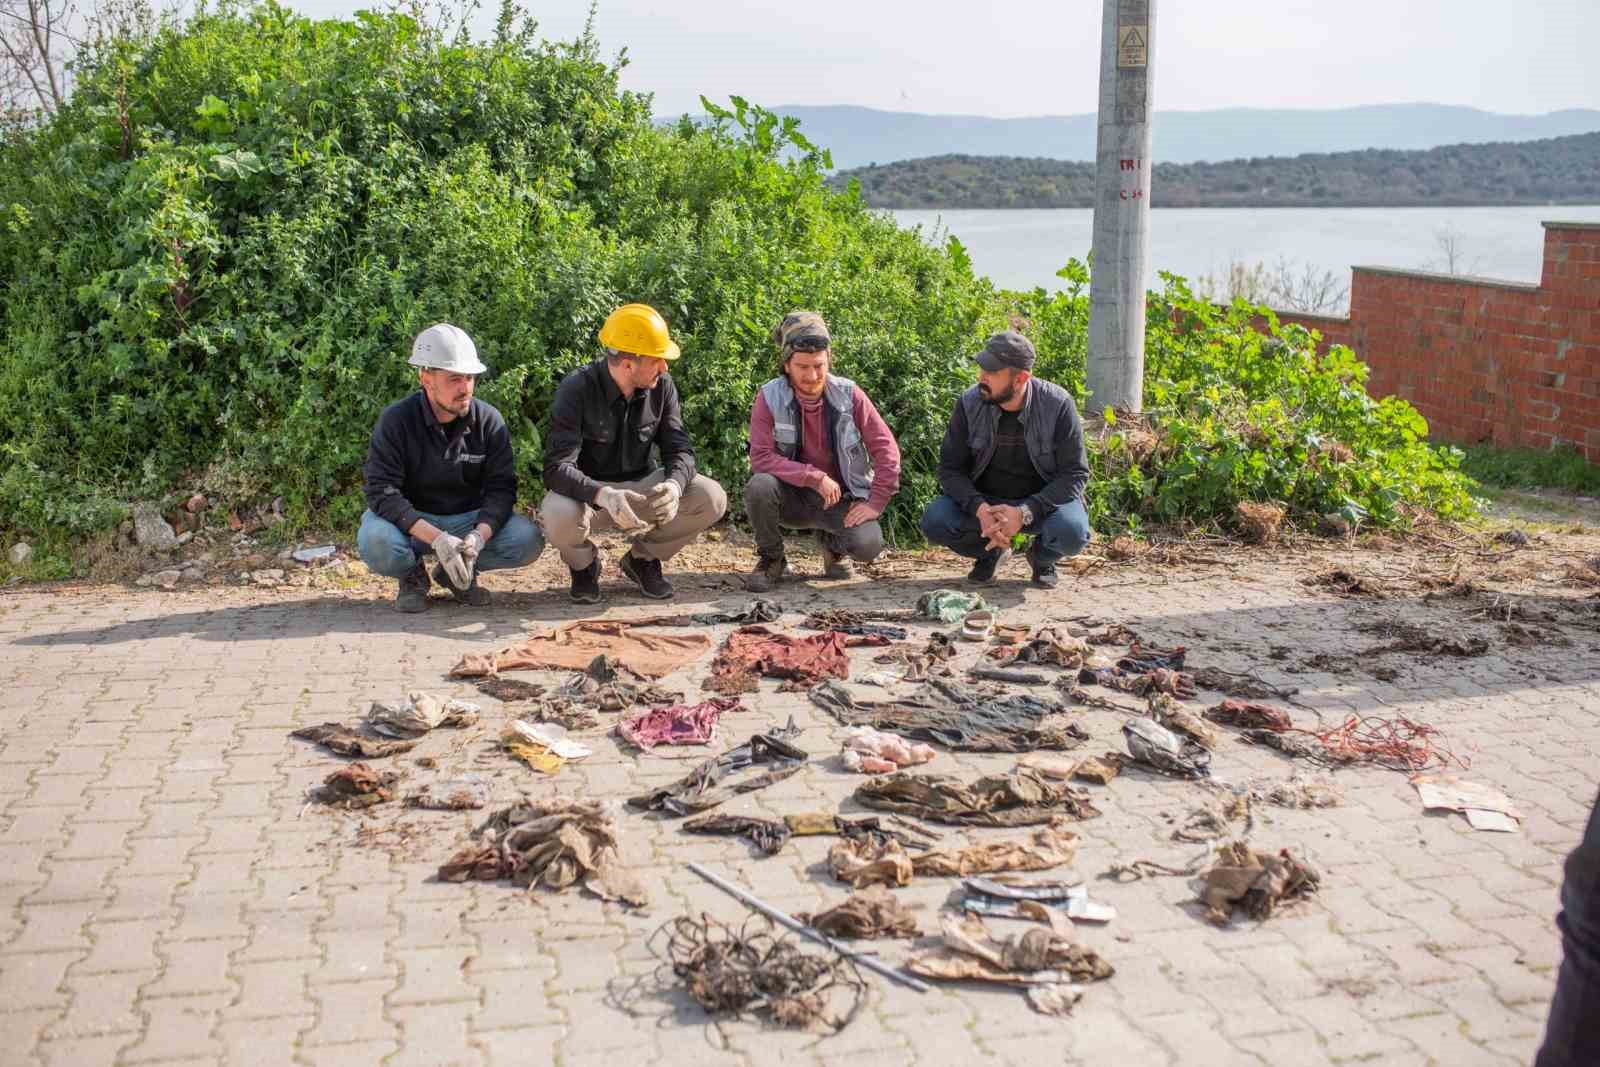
857, 135
1558, 170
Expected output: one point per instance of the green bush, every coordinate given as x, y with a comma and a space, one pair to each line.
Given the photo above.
215, 256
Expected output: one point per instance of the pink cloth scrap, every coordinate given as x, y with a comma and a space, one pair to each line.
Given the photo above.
677, 724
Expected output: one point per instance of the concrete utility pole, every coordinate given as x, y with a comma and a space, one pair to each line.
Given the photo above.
1121, 209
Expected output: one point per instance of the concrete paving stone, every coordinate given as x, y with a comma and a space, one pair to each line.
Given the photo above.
434, 975
48, 827
80, 1051
434, 1034
350, 1012
280, 935
503, 1048
53, 927
161, 855
20, 1033
355, 955
194, 967
179, 1028
34, 979
102, 1004
1443, 1036
261, 1042
124, 946
277, 987
148, 896
510, 1000
345, 1055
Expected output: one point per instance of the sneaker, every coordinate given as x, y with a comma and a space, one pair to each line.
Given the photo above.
1044, 574
646, 574
835, 568
586, 583
413, 594
768, 573
983, 568
474, 594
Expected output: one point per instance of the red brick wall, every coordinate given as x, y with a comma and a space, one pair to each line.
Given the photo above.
1486, 360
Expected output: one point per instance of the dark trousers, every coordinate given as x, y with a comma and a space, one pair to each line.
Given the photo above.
1057, 533
773, 504
1572, 1036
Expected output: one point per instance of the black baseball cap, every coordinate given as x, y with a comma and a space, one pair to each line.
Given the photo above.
1007, 349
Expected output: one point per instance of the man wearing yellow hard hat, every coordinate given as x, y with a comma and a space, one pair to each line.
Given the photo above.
598, 471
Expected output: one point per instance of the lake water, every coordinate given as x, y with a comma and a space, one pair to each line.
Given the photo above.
1024, 248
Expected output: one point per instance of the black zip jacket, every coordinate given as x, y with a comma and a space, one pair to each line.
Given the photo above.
416, 464
599, 437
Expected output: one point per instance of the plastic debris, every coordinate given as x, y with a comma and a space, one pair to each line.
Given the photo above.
311, 555
867, 915
1025, 900
1156, 747
543, 746
1485, 807
949, 605
555, 843
871, 751
1180, 720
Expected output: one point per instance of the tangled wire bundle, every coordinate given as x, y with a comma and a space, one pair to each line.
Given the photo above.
730, 972
1400, 744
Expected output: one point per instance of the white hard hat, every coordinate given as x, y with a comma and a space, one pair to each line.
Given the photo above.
447, 348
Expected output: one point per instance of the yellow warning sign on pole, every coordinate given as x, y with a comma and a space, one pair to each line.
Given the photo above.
1133, 47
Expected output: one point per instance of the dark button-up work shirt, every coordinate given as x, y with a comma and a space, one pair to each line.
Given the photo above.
598, 436
417, 464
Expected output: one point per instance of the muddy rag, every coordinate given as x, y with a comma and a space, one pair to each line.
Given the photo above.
575, 645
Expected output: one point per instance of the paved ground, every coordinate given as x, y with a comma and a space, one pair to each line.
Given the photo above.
168, 896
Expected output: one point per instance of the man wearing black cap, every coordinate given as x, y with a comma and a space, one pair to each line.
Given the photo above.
1012, 462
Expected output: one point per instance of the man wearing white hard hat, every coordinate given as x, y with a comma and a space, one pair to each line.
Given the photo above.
440, 479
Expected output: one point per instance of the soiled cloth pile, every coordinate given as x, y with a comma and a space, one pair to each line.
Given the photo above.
754, 651
344, 741
1255, 881
949, 605
873, 913
869, 751
555, 843
1049, 647
1250, 716
1180, 720
763, 760
758, 610
949, 715
677, 724
1045, 961
1159, 680
356, 786
575, 645
1048, 847
1024, 797
452, 794
920, 664
855, 623
768, 835
419, 713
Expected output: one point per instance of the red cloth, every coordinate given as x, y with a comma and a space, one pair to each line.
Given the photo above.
752, 650
816, 457
679, 724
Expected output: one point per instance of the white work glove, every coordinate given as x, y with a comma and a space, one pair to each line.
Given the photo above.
471, 546
623, 505
664, 501
447, 547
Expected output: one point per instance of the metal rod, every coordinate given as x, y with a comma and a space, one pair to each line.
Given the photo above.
871, 963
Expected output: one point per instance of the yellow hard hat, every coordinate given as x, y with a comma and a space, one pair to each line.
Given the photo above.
640, 330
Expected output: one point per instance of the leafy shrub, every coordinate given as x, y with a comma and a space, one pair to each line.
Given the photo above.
215, 256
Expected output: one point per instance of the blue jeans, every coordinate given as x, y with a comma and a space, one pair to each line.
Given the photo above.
1061, 532
390, 551
1572, 1034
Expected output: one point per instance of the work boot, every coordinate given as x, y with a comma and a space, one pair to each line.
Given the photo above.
1044, 574
646, 574
413, 594
586, 583
768, 573
983, 568
474, 594
835, 567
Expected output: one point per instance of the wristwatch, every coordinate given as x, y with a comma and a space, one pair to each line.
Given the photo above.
1027, 514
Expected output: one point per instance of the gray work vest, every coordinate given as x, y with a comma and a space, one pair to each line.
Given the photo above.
1041, 411
849, 450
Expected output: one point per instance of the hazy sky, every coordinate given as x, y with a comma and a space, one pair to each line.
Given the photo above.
1039, 57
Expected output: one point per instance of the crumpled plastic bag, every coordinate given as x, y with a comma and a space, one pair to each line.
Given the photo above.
1255, 881
1049, 846
870, 751
418, 714
870, 914
543, 746
1023, 797
555, 843
949, 605
1159, 748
